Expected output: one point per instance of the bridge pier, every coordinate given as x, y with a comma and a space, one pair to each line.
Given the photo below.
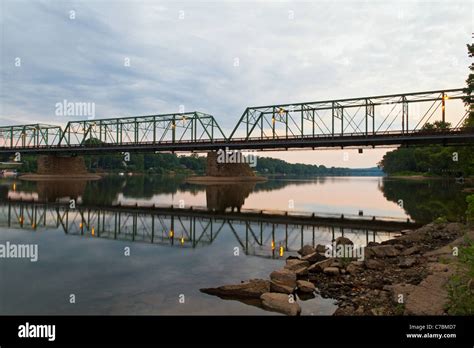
220, 165
60, 167
226, 168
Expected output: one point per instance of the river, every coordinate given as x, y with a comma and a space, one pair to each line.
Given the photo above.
95, 258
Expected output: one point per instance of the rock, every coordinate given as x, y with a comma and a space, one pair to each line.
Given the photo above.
374, 264
306, 250
305, 286
254, 288
320, 248
314, 257
343, 241
430, 296
407, 262
291, 257
299, 267
336, 263
331, 270
318, 267
399, 289
276, 286
280, 303
355, 267
412, 250
447, 250
296, 263
372, 244
284, 277
382, 251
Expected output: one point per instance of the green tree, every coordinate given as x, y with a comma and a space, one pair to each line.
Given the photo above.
469, 122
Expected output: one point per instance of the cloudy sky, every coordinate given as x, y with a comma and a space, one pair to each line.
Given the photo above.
151, 57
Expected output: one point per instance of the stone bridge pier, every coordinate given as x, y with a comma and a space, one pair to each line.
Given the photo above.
217, 167
61, 165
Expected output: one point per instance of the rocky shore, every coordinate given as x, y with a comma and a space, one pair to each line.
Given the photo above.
407, 275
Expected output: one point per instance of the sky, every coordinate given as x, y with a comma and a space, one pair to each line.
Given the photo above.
150, 57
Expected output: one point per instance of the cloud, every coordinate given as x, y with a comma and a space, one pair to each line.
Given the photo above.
220, 57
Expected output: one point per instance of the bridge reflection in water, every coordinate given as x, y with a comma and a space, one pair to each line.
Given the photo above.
268, 234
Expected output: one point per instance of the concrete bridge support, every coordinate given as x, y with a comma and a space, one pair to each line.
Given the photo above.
218, 166
61, 165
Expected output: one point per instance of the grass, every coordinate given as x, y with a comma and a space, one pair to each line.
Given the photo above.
399, 309
461, 297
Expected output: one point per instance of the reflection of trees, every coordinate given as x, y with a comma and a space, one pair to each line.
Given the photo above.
49, 191
425, 200
106, 190
142, 186
281, 182
4, 192
103, 191
221, 197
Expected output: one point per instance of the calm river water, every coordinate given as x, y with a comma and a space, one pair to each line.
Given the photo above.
114, 261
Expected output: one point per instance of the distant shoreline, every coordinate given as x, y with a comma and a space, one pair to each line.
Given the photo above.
224, 179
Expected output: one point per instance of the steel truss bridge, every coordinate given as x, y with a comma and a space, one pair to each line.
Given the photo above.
397, 119
265, 234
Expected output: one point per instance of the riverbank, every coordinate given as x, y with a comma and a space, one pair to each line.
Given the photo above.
41, 177
408, 275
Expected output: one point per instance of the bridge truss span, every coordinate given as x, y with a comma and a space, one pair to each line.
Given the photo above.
369, 116
386, 120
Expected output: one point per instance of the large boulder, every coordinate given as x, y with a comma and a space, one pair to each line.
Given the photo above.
343, 241
320, 248
276, 286
254, 288
318, 267
306, 250
299, 267
305, 286
284, 276
280, 303
314, 257
382, 251
293, 264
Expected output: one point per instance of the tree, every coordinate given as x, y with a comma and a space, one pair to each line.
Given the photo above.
469, 122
